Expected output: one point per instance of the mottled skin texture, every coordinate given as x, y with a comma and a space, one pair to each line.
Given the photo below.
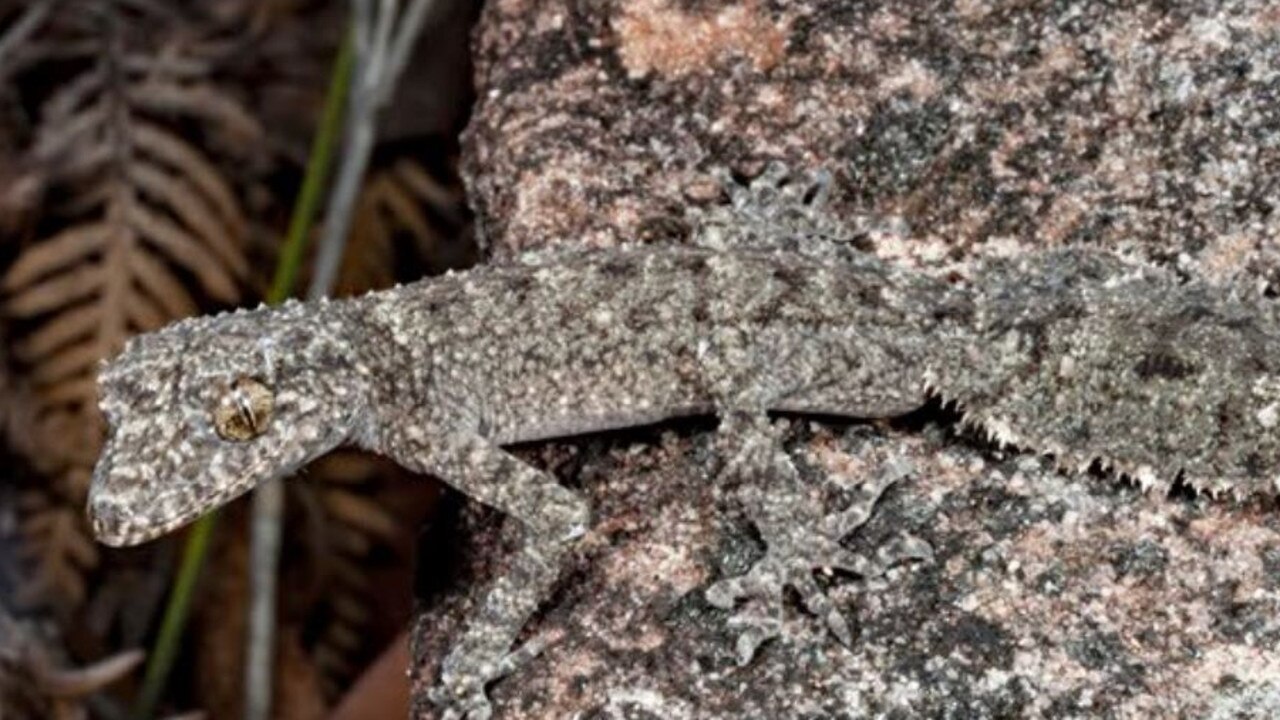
1072, 352
1091, 360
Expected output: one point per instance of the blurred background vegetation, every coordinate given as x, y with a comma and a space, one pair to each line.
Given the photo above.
151, 153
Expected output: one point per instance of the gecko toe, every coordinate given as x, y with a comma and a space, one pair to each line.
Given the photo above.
756, 624
561, 514
762, 588
461, 692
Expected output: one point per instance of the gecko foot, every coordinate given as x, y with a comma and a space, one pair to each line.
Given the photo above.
461, 695
779, 209
801, 540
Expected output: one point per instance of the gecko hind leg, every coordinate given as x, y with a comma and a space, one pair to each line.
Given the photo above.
800, 539
778, 210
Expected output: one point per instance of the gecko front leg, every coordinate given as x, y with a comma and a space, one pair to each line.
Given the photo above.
551, 515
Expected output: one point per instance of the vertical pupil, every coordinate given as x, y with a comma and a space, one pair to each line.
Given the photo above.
246, 411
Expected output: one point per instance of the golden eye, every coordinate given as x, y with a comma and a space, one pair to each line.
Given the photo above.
243, 411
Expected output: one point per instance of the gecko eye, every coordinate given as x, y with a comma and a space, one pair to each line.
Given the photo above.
244, 410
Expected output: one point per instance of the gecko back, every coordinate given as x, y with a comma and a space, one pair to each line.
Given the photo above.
1080, 355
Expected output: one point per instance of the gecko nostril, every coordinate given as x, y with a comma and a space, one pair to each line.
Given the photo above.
105, 518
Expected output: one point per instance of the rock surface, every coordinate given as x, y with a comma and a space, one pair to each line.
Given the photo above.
954, 129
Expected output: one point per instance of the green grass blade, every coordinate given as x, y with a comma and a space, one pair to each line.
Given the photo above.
160, 660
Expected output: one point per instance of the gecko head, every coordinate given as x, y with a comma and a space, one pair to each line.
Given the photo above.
204, 410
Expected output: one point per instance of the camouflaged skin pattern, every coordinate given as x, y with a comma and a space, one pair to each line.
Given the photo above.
1090, 360
1072, 353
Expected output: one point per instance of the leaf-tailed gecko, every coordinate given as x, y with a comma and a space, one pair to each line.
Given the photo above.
1073, 353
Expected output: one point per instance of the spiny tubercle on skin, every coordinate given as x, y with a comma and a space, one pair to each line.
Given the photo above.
1073, 353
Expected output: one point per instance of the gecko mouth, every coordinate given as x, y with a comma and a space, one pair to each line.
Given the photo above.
122, 524
131, 503
124, 510
113, 525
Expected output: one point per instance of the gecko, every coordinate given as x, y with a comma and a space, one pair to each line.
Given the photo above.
1073, 353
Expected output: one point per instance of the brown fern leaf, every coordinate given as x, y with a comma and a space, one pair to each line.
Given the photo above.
61, 556
369, 259
16, 406
356, 525
148, 229
349, 526
402, 200
32, 685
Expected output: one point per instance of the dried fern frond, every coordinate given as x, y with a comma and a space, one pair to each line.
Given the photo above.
369, 259
145, 229
356, 524
32, 685
347, 527
402, 200
56, 549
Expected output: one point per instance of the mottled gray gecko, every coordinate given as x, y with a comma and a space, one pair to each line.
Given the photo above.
1073, 353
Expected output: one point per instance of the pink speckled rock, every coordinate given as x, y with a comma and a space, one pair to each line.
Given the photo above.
954, 129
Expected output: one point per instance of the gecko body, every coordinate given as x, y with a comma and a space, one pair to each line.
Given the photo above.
1073, 353
557, 346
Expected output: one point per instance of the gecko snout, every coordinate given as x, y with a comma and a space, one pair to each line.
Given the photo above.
108, 521
117, 524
